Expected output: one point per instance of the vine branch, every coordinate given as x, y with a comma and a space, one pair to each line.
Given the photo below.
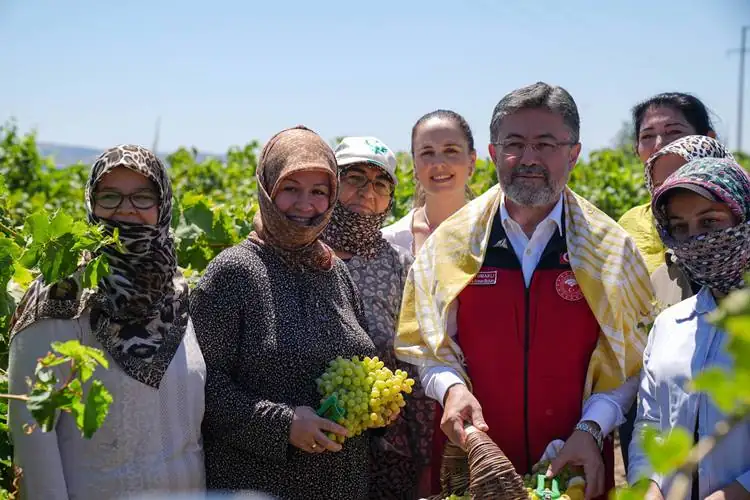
9, 230
17, 397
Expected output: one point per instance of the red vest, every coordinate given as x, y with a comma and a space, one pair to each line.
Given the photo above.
527, 350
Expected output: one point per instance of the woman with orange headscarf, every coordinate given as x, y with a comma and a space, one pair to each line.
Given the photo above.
270, 313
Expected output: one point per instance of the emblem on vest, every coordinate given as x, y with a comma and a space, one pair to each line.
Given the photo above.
564, 258
485, 278
567, 287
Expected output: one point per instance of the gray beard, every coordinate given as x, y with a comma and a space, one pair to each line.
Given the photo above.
525, 194
531, 196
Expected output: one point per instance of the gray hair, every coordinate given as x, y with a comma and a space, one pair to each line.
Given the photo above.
536, 96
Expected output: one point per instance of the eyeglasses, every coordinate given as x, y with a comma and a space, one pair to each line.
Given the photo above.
142, 200
360, 181
518, 148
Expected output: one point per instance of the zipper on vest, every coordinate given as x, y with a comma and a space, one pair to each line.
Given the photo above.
526, 348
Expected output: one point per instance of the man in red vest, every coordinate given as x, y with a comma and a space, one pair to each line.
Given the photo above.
525, 312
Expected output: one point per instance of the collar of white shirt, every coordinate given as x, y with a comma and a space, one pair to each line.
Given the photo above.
510, 225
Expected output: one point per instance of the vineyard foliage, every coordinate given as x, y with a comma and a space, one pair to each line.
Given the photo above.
43, 228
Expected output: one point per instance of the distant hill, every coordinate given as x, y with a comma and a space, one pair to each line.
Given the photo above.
65, 155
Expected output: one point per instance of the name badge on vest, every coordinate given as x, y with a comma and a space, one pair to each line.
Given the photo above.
484, 278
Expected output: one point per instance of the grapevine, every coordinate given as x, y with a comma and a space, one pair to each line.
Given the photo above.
367, 391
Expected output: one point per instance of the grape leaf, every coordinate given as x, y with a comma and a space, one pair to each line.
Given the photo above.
667, 451
98, 402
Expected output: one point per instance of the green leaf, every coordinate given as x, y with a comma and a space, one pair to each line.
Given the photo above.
718, 384
31, 256
37, 226
43, 404
84, 358
98, 402
60, 224
667, 451
96, 269
22, 276
635, 492
197, 211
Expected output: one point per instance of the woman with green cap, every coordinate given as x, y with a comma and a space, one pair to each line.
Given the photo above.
367, 170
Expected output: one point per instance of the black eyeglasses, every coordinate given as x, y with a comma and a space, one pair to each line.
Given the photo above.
142, 200
360, 181
518, 148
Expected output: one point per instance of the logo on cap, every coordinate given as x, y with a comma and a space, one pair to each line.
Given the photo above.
377, 147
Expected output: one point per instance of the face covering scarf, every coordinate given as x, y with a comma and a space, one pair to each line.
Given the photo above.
139, 312
357, 234
717, 259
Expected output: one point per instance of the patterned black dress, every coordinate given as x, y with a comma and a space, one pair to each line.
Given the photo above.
267, 333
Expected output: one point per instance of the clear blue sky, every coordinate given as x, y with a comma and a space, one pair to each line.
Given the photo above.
224, 72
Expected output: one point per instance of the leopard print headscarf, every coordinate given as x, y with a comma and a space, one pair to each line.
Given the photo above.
139, 312
688, 148
293, 150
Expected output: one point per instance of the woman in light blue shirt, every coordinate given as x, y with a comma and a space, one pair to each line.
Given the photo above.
702, 213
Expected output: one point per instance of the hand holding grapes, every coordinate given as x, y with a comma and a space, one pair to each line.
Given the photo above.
308, 431
581, 449
366, 394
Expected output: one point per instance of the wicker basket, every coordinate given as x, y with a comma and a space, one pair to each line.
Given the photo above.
485, 472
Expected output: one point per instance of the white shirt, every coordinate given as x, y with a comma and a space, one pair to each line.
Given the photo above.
150, 440
683, 343
399, 233
607, 409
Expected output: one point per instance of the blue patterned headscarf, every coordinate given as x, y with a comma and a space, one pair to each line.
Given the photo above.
717, 259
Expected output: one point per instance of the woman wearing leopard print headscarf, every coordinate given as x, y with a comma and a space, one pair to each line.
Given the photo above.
270, 313
400, 458
138, 315
702, 213
671, 284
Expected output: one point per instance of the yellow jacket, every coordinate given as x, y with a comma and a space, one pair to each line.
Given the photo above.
639, 223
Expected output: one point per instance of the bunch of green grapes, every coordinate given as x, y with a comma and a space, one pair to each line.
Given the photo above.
458, 497
370, 393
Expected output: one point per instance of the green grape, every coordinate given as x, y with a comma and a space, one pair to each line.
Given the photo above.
369, 392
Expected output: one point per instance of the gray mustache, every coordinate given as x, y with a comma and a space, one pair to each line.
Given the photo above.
530, 170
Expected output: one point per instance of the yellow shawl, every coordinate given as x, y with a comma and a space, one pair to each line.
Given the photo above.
604, 259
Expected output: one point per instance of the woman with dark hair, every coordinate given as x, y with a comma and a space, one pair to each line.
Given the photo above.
670, 130
703, 214
442, 148
658, 121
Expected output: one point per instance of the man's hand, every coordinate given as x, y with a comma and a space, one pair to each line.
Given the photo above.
734, 491
461, 406
581, 449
